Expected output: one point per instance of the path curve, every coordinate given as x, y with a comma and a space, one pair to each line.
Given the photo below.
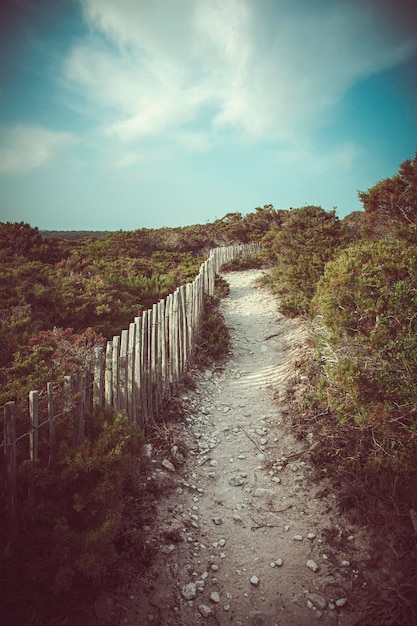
243, 518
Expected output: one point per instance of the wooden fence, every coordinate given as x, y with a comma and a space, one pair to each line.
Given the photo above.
135, 373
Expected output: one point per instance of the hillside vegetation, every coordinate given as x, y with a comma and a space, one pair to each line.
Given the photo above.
354, 280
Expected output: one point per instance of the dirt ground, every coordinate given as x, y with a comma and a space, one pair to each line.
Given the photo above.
245, 533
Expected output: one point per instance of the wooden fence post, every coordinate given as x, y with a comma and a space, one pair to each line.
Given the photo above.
108, 377
10, 467
78, 411
116, 374
33, 437
52, 431
131, 372
144, 369
34, 423
138, 382
123, 371
66, 392
98, 377
154, 358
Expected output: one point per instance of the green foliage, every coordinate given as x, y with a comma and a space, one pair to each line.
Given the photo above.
391, 204
215, 338
367, 299
299, 250
66, 537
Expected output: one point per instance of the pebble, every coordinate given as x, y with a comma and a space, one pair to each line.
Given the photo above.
168, 465
205, 610
341, 602
311, 536
214, 597
298, 538
222, 542
217, 520
279, 562
312, 565
316, 600
262, 492
345, 563
254, 581
236, 481
189, 591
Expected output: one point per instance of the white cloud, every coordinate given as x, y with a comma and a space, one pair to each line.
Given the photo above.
250, 67
24, 148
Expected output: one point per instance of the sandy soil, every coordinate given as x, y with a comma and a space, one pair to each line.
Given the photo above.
243, 519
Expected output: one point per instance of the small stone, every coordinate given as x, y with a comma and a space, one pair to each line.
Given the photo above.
311, 536
312, 565
318, 601
205, 610
214, 567
345, 563
214, 597
226, 607
341, 602
276, 479
272, 564
261, 492
236, 481
238, 518
298, 538
279, 562
213, 463
189, 591
293, 467
254, 581
168, 465
222, 542
167, 549
217, 520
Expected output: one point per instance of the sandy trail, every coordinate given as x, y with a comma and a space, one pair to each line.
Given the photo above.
244, 515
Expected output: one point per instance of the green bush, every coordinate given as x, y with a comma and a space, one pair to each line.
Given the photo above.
299, 251
66, 535
367, 300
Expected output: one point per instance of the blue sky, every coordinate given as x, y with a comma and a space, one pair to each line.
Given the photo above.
148, 113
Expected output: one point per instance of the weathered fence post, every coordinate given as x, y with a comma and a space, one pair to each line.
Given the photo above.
144, 369
98, 377
116, 374
66, 393
108, 377
138, 381
131, 372
78, 411
10, 467
33, 436
34, 422
52, 432
123, 371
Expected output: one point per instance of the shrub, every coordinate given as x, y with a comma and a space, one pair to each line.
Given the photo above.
367, 299
300, 250
66, 536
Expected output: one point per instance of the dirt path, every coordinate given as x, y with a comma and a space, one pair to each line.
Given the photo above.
245, 534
